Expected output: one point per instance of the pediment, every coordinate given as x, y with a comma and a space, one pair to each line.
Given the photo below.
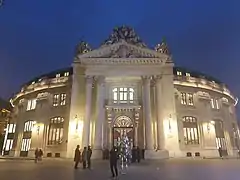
122, 50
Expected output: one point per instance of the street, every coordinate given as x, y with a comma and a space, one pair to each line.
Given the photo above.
177, 169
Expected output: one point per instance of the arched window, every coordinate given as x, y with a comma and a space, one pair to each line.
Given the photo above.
190, 130
55, 133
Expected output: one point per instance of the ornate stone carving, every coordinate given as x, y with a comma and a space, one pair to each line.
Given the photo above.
162, 48
225, 101
82, 48
124, 33
42, 96
203, 95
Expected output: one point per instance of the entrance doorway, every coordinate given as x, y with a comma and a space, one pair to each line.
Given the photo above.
123, 127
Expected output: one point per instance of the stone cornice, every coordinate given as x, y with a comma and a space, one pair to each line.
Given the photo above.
121, 61
105, 50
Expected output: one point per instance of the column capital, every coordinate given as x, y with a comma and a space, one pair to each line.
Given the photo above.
100, 79
157, 77
147, 77
89, 79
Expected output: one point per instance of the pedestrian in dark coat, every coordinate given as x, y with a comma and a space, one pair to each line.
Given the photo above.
113, 162
138, 152
36, 155
89, 155
77, 157
84, 157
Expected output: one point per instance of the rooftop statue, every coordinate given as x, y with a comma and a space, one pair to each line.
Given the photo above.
124, 33
82, 48
162, 48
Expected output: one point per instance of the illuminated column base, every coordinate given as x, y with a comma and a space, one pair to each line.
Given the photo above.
97, 154
153, 154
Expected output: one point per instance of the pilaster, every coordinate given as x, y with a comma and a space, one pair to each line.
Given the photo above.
86, 126
100, 123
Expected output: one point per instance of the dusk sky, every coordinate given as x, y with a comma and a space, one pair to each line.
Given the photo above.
39, 36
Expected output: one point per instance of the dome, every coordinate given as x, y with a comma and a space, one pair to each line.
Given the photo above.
124, 33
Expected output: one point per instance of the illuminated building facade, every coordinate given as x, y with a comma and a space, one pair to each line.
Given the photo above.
125, 88
5, 109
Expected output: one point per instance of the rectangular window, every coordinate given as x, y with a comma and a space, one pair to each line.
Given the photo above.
183, 98
66, 74
214, 103
11, 128
188, 74
55, 135
31, 105
179, 73
123, 95
55, 99
9, 144
190, 99
190, 130
63, 99
26, 143
187, 99
58, 75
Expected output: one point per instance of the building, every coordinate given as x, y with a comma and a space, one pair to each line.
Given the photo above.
5, 109
124, 88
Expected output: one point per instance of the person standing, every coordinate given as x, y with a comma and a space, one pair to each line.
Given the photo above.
113, 162
84, 157
36, 155
138, 152
220, 152
77, 156
40, 154
89, 155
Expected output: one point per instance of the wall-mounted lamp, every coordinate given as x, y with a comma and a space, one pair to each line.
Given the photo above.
169, 123
78, 125
211, 123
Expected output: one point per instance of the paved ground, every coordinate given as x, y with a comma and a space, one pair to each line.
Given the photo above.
180, 169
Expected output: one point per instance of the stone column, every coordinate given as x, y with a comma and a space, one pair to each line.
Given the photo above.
99, 126
160, 127
110, 136
86, 127
136, 135
148, 117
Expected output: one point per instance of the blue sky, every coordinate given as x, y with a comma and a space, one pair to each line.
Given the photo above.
40, 36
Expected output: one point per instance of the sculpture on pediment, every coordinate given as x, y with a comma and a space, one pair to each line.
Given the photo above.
82, 48
124, 33
124, 52
162, 48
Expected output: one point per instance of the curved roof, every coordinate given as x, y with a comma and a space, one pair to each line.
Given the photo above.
195, 74
51, 75
5, 105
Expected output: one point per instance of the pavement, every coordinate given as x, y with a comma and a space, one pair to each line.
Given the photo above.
173, 169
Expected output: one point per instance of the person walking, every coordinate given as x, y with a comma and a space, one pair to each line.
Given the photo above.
77, 156
113, 162
84, 157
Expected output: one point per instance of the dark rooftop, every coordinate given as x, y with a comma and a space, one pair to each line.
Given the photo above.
5, 105
195, 74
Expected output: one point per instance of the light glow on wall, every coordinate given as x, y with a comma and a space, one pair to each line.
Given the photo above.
76, 127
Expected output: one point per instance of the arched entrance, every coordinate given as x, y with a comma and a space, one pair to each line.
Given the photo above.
123, 126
